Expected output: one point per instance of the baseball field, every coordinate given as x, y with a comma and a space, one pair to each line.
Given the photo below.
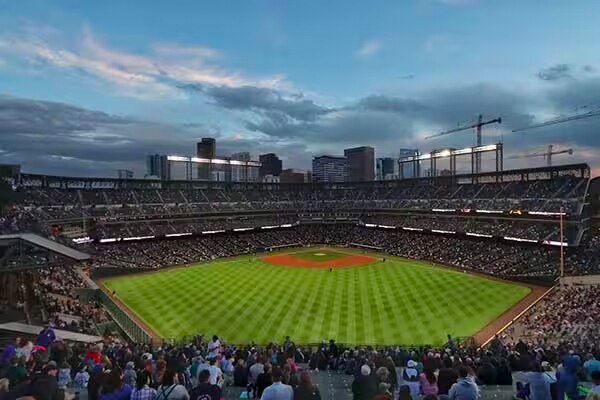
313, 295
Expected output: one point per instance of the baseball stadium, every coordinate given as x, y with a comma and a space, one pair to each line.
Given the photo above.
318, 274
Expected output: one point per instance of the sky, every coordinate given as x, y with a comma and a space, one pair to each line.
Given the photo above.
89, 87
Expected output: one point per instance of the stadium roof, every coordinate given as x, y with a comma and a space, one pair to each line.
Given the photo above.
21, 245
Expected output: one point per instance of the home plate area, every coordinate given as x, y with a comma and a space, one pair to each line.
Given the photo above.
320, 258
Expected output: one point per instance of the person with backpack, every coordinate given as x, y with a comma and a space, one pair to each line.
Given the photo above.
205, 390
170, 389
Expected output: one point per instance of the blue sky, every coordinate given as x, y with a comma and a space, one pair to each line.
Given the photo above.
89, 87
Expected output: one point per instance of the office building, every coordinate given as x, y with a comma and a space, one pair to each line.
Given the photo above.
157, 166
241, 156
214, 170
293, 176
270, 164
360, 164
386, 168
408, 170
328, 168
206, 148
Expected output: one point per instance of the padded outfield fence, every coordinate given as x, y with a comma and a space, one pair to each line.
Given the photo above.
123, 320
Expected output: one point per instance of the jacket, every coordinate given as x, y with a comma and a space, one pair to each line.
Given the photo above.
566, 379
464, 389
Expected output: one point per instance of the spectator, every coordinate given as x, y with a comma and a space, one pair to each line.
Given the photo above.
264, 380
537, 384
64, 375
464, 388
590, 365
596, 381
278, 390
428, 382
45, 386
170, 389
16, 372
239, 374
129, 375
365, 385
46, 337
306, 390
383, 386
205, 390
410, 376
216, 375
566, 379
447, 377
142, 390
113, 387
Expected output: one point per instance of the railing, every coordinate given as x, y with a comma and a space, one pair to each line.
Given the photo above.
125, 322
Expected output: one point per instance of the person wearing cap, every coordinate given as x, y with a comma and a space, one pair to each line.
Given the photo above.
129, 375
364, 386
45, 385
410, 376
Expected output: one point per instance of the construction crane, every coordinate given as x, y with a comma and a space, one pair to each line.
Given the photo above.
546, 154
587, 113
475, 125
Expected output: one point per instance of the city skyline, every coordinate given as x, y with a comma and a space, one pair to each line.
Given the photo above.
89, 89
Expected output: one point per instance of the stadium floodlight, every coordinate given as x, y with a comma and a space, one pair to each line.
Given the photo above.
83, 240
407, 228
200, 160
370, 225
178, 234
489, 147
548, 214
478, 235
178, 158
242, 229
285, 226
269, 227
424, 156
138, 238
444, 153
489, 211
460, 152
236, 162
444, 210
209, 232
555, 243
386, 226
515, 239
109, 240
219, 161
441, 231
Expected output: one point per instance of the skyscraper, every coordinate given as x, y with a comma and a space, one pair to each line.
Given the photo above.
206, 148
360, 163
386, 168
327, 168
157, 165
408, 170
241, 156
270, 164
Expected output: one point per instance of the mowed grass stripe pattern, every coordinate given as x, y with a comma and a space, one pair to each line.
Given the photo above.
391, 302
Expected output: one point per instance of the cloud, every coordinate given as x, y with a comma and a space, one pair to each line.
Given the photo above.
368, 49
555, 72
154, 75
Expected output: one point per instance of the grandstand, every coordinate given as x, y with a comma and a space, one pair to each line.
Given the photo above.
502, 226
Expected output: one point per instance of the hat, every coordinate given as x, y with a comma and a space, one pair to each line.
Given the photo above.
365, 370
545, 364
411, 364
50, 366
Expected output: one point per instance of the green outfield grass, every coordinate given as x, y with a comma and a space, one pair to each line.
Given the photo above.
318, 255
393, 302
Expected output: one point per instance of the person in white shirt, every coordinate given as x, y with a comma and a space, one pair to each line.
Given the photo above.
216, 375
214, 347
278, 390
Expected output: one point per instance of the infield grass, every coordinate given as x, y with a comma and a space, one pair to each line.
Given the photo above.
393, 302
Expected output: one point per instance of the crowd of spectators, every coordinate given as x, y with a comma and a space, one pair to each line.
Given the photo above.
206, 368
114, 204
